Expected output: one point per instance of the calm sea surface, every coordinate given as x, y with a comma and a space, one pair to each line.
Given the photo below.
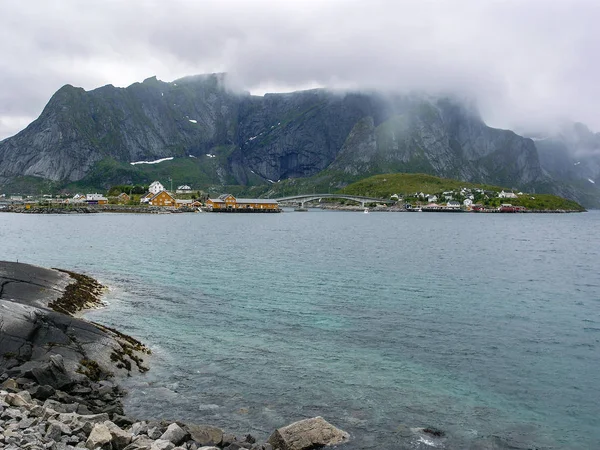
485, 326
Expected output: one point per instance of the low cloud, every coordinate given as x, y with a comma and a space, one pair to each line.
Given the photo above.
528, 63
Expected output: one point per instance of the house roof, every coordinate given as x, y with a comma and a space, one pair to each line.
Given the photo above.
161, 192
216, 200
256, 200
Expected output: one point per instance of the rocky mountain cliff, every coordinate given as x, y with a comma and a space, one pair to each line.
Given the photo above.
236, 138
571, 156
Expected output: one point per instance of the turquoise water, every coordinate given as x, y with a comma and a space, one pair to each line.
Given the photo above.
485, 326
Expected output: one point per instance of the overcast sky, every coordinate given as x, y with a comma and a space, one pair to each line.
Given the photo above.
527, 62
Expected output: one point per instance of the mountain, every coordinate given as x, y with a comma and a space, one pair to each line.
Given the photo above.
220, 137
571, 156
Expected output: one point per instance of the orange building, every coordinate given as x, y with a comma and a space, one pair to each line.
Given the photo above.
228, 203
163, 198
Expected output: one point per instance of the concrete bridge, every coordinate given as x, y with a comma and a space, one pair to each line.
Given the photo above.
305, 198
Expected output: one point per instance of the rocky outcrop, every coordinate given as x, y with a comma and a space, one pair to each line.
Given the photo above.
236, 138
307, 434
40, 337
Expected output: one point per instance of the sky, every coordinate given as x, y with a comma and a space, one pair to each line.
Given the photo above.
528, 64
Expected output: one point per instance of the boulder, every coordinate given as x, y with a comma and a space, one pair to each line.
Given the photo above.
154, 432
16, 400
99, 437
307, 434
10, 384
52, 373
139, 428
140, 443
174, 434
205, 434
162, 445
120, 438
54, 432
42, 392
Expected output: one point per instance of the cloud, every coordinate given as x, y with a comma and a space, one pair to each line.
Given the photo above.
529, 63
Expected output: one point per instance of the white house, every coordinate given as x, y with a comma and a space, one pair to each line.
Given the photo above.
156, 187
432, 199
453, 205
183, 189
92, 197
468, 202
503, 194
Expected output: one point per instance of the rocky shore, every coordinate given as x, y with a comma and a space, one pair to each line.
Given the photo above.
59, 377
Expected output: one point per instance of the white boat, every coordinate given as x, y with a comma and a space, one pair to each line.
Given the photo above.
366, 210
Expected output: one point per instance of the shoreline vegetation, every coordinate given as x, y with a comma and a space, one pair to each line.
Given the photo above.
59, 377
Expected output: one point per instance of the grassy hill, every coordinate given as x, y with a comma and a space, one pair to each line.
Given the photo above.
406, 185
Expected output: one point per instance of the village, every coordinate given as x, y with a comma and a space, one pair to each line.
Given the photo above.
464, 200
155, 199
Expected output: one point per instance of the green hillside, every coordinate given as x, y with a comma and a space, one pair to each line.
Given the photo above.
406, 185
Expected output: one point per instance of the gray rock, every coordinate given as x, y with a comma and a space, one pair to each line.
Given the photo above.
140, 443
99, 437
64, 428
42, 392
120, 437
205, 434
174, 434
9, 384
139, 428
54, 432
307, 434
55, 406
17, 400
162, 445
154, 432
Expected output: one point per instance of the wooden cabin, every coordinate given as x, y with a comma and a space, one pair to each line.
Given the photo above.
123, 197
163, 198
228, 202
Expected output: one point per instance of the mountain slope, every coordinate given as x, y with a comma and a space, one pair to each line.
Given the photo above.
235, 138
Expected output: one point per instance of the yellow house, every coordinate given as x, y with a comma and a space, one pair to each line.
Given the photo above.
163, 198
123, 198
228, 203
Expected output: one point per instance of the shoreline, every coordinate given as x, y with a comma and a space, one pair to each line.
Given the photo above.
63, 392
403, 210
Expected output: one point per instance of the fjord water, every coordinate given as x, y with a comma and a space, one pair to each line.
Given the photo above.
485, 326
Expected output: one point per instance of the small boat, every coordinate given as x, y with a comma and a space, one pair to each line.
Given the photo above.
366, 211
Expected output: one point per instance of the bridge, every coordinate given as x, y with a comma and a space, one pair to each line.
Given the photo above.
305, 198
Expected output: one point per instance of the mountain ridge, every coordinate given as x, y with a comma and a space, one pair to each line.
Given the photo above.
238, 138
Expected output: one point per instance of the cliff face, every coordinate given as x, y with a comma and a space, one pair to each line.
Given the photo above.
273, 137
571, 156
